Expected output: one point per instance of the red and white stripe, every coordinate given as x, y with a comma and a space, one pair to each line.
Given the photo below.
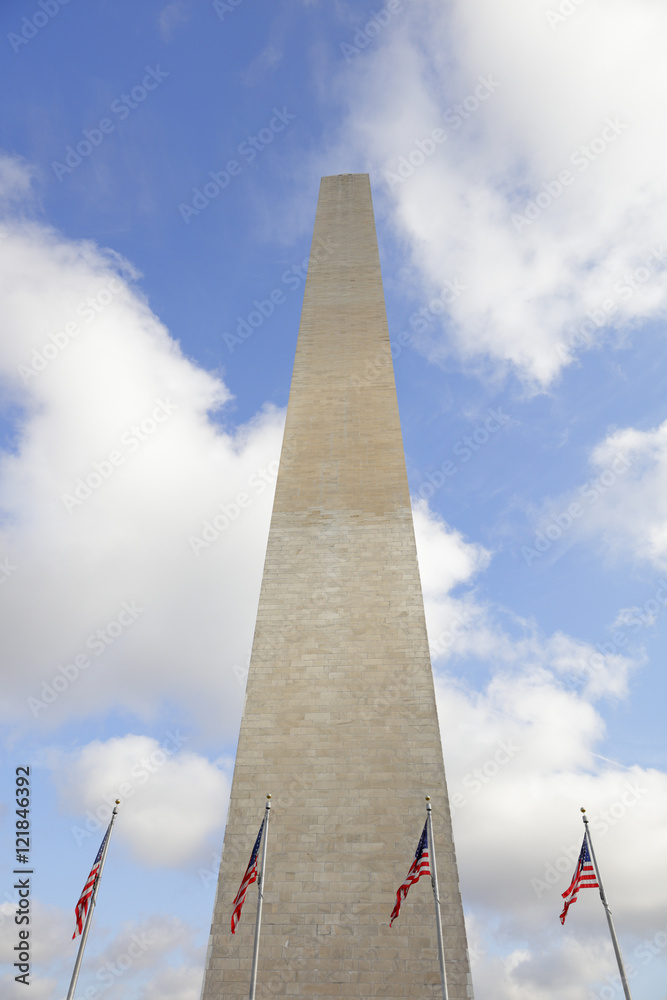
583, 878
88, 889
419, 867
247, 880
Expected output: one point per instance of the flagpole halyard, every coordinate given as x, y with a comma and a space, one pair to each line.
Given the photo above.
91, 906
614, 939
260, 900
436, 896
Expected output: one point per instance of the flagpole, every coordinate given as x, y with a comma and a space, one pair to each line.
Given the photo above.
91, 906
436, 896
260, 899
614, 940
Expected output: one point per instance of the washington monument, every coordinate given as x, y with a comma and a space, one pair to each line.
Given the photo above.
340, 721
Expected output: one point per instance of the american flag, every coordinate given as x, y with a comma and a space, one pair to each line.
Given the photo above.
583, 878
84, 899
247, 880
419, 867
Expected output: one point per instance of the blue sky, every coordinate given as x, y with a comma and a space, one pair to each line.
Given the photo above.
149, 320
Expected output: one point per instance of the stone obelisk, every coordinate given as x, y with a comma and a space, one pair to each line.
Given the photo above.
340, 721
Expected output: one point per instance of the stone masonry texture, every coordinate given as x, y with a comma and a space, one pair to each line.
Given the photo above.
340, 722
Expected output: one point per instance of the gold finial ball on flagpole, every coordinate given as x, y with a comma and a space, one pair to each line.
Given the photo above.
117, 802
428, 798
268, 796
583, 809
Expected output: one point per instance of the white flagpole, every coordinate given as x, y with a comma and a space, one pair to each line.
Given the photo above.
91, 906
260, 899
436, 896
614, 940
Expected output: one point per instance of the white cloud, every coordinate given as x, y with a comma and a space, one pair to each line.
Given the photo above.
52, 928
564, 972
120, 491
15, 179
135, 959
632, 513
522, 756
463, 626
145, 947
182, 983
41, 988
172, 799
128, 542
445, 561
156, 956
622, 507
549, 91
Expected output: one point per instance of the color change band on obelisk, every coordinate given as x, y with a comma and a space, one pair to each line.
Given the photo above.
340, 719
